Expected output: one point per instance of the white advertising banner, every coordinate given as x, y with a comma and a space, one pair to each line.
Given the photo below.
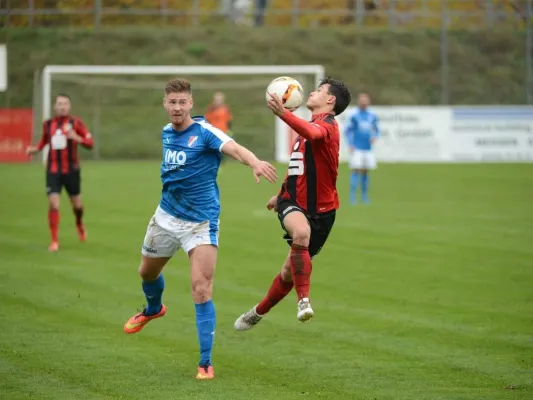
491, 134
439, 134
3, 68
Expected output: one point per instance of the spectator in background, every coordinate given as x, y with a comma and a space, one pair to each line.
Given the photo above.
260, 6
219, 115
237, 11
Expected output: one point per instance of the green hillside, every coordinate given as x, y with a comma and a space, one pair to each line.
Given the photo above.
397, 67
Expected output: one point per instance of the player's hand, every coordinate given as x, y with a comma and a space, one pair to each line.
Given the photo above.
74, 136
276, 105
273, 203
31, 150
266, 170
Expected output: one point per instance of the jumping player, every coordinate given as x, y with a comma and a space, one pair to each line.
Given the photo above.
62, 134
362, 130
187, 215
308, 200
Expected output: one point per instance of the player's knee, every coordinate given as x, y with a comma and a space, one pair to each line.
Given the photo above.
148, 274
76, 201
53, 203
202, 289
301, 236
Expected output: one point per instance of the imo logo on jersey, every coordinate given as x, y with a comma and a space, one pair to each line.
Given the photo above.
174, 159
192, 141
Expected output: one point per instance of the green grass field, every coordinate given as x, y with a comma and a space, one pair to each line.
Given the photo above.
425, 294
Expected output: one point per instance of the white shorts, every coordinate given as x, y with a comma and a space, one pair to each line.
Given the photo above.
167, 234
362, 159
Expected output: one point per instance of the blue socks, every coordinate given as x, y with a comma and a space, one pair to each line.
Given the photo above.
354, 179
205, 316
353, 186
153, 291
364, 187
205, 324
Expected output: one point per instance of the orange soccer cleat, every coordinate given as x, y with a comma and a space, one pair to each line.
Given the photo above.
139, 320
205, 373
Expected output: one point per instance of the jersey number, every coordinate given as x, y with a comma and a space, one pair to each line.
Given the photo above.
296, 165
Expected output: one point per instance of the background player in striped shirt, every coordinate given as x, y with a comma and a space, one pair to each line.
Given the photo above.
362, 130
63, 134
308, 200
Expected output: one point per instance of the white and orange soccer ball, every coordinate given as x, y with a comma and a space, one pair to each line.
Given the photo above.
289, 90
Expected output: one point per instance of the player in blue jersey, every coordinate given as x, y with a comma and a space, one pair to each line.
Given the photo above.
362, 130
187, 215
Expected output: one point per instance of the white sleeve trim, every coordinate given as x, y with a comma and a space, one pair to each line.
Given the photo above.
217, 132
223, 143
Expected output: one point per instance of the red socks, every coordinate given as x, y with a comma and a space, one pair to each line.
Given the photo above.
53, 223
78, 212
300, 260
301, 269
276, 293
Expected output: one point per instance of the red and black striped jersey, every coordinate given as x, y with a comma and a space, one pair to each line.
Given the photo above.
311, 180
63, 151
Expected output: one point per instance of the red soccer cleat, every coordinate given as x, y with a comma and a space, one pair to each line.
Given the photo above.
82, 233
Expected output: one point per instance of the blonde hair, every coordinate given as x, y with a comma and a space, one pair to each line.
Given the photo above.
178, 85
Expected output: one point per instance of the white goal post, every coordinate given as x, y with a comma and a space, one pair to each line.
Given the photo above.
317, 71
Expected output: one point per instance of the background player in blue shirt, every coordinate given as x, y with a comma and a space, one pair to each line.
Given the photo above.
187, 215
361, 132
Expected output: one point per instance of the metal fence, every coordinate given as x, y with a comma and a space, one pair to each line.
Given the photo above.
295, 13
443, 16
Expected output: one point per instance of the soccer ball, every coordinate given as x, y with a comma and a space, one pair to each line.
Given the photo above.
289, 91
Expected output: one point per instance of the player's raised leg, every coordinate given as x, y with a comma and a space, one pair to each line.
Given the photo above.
153, 285
281, 287
203, 260
53, 220
298, 228
158, 247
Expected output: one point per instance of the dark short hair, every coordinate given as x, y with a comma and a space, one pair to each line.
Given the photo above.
62, 95
178, 85
342, 94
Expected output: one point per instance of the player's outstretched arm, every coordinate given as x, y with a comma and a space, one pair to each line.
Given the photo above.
246, 157
301, 127
32, 149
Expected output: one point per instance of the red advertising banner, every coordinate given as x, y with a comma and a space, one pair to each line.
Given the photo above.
15, 134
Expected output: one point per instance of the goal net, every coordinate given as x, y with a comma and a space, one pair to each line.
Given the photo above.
122, 105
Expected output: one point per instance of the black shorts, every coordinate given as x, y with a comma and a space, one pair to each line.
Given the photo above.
71, 182
321, 225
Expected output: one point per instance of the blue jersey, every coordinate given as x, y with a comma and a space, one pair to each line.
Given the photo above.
361, 128
191, 159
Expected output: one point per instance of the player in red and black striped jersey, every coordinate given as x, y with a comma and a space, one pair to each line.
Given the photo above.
308, 200
62, 134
